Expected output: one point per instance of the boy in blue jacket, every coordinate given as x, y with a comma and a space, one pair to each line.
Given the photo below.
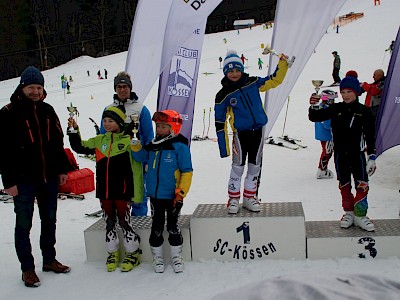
239, 103
168, 180
323, 133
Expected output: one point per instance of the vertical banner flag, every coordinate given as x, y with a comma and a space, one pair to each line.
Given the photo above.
177, 87
387, 121
298, 28
160, 28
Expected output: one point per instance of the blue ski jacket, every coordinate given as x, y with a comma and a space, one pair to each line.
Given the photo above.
239, 103
323, 130
169, 167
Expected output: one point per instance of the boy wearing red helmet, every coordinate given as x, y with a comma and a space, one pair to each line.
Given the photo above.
168, 180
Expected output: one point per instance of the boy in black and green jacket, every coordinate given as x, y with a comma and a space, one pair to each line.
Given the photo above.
114, 184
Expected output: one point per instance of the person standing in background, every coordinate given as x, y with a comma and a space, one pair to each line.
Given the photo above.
336, 68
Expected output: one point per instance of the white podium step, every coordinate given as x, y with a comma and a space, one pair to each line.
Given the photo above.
325, 239
95, 236
277, 231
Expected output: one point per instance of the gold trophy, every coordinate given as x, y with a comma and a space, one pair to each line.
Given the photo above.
269, 50
317, 85
135, 129
72, 112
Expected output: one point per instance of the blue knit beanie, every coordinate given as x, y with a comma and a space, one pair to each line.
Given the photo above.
232, 61
350, 83
31, 75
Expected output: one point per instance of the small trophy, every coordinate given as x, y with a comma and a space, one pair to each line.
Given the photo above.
135, 129
269, 50
72, 112
317, 84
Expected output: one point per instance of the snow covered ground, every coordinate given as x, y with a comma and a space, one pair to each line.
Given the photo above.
287, 176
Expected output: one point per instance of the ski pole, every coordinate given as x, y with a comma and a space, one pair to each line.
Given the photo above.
204, 121
383, 58
96, 127
284, 123
209, 121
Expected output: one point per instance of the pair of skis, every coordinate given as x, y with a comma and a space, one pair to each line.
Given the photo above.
292, 141
10, 199
96, 214
64, 196
287, 142
91, 157
6, 198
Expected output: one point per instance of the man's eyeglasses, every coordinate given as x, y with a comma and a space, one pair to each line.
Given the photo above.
122, 87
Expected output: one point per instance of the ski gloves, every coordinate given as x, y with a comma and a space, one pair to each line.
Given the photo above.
371, 165
136, 145
178, 202
314, 101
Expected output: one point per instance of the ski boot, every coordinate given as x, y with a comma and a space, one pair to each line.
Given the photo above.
324, 174
131, 260
177, 262
233, 205
251, 204
347, 219
364, 223
112, 261
158, 259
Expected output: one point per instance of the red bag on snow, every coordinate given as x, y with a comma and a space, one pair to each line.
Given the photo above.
79, 181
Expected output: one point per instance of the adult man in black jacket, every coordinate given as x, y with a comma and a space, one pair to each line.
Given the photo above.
32, 164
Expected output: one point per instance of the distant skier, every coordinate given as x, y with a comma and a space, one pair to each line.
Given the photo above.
105, 73
220, 61
391, 46
260, 63
243, 58
336, 68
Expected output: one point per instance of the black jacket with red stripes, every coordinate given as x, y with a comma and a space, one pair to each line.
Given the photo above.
32, 150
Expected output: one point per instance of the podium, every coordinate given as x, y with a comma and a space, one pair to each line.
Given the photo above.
277, 231
325, 239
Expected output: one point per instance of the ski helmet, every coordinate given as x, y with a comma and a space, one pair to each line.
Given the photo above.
170, 117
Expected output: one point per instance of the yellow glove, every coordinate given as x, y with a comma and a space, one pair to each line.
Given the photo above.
136, 145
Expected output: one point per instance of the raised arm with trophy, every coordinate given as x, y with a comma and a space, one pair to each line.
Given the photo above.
73, 111
315, 97
269, 50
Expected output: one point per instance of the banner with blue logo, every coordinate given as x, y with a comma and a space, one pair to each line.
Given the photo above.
178, 81
159, 30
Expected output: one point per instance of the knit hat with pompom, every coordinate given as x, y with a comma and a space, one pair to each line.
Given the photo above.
232, 61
